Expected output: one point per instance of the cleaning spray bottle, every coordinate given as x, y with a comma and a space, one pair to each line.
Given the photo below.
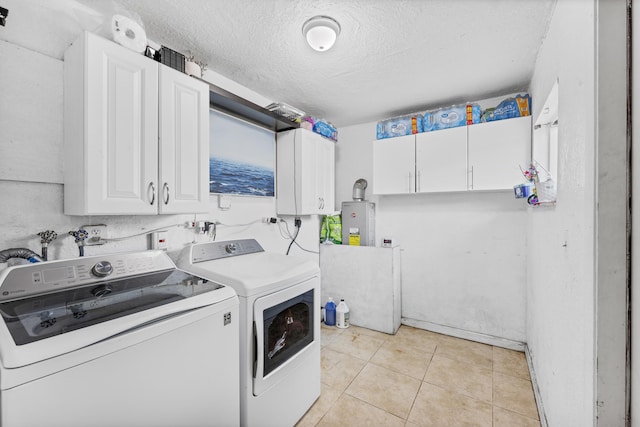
342, 315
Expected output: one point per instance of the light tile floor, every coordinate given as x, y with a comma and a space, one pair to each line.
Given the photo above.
419, 378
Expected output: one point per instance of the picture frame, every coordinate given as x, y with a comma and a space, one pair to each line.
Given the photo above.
242, 157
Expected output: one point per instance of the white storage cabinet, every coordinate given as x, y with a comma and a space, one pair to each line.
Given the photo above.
421, 163
394, 165
496, 150
135, 133
305, 173
441, 160
483, 156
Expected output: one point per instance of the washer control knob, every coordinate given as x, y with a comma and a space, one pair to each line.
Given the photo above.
102, 269
230, 248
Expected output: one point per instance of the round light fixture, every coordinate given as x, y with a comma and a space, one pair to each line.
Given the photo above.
321, 32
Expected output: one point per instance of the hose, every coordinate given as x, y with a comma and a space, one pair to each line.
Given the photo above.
27, 254
46, 237
80, 236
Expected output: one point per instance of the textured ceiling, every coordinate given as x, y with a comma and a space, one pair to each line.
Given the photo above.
392, 56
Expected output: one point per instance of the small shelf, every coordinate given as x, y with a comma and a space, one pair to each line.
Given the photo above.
232, 104
544, 205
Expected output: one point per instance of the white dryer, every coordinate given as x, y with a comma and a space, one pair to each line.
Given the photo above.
279, 326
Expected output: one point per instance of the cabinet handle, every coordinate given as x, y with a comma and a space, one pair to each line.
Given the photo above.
165, 190
472, 177
151, 188
418, 183
409, 182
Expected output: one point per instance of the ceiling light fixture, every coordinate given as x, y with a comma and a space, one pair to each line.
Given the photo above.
321, 32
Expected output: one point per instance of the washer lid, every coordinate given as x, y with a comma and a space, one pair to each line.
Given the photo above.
250, 274
43, 316
57, 307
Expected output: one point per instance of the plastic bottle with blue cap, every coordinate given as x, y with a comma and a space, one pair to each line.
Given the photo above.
330, 313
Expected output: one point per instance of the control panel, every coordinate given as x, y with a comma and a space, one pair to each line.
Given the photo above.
217, 250
44, 277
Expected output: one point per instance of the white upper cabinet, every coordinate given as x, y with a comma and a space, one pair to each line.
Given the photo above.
325, 172
184, 143
394, 165
496, 152
485, 156
441, 160
114, 162
305, 173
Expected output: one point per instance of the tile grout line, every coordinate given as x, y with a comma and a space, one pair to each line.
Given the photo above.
422, 381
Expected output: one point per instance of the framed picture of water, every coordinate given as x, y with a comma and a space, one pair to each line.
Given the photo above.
242, 157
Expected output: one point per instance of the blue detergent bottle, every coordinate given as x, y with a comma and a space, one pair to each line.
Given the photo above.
330, 313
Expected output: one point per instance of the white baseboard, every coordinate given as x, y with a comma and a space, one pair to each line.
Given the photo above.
536, 389
467, 335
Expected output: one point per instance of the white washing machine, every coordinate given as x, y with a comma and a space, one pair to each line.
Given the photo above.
116, 340
279, 326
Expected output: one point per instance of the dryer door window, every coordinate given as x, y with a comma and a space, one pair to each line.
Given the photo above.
286, 333
288, 328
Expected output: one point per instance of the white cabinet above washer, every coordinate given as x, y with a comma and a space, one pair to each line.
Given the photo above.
136, 133
305, 173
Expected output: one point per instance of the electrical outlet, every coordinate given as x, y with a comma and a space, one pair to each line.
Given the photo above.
97, 234
159, 240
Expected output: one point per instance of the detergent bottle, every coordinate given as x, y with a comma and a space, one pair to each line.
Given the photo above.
330, 313
342, 315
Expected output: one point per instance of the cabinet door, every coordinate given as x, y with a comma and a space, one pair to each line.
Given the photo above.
307, 173
184, 143
496, 152
394, 165
441, 160
325, 150
121, 113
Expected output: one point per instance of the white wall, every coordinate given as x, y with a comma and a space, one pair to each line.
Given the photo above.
31, 165
577, 297
463, 254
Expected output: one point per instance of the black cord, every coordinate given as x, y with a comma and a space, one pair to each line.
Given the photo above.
297, 223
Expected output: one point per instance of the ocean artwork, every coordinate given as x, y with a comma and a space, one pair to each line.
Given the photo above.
242, 157
231, 177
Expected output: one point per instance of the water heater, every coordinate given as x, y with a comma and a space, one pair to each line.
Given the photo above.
358, 223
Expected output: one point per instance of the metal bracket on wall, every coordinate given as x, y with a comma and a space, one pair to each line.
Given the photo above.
3, 16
